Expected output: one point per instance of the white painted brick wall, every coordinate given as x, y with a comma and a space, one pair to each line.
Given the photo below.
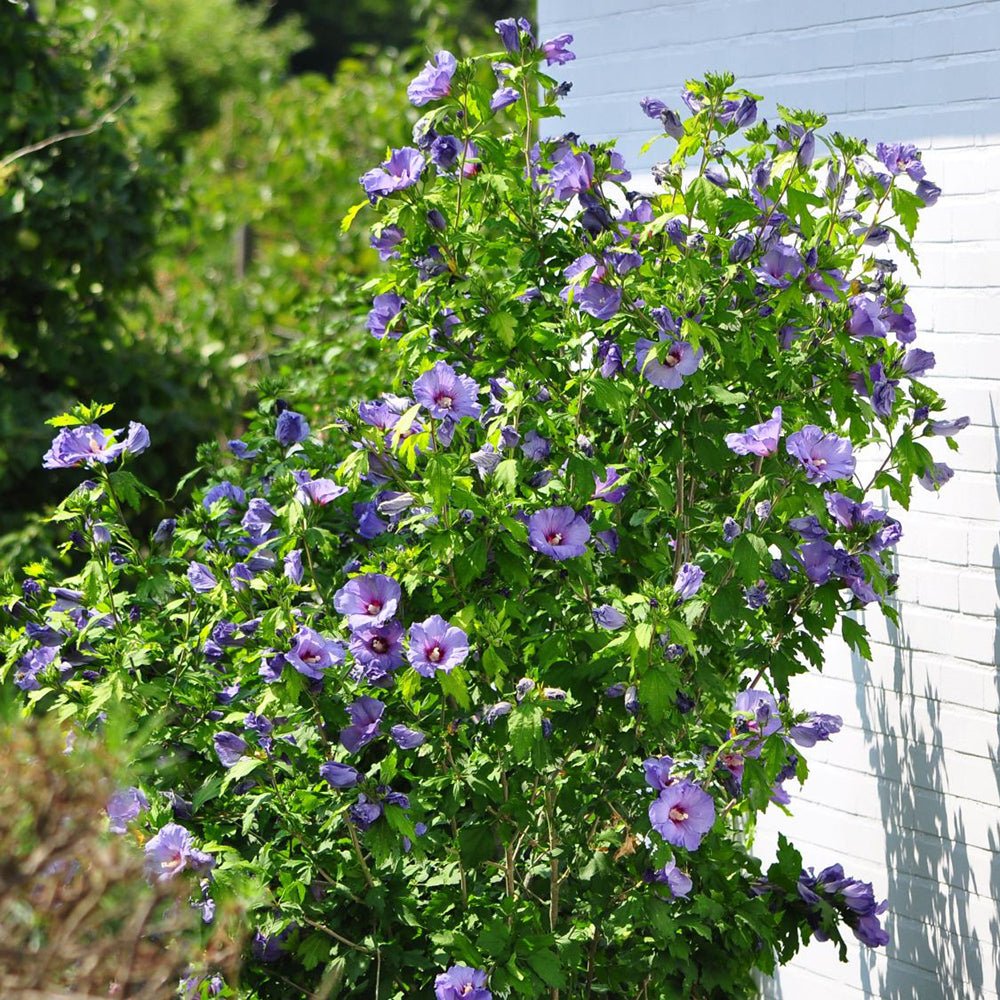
908, 795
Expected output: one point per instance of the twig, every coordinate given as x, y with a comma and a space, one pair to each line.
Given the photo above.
75, 133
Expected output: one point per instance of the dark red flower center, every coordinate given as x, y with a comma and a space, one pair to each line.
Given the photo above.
379, 644
677, 814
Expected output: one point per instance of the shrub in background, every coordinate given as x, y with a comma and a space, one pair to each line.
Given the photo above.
482, 682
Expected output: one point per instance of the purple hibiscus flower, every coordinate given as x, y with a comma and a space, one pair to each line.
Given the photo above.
867, 317
818, 558
590, 293
555, 50
436, 645
757, 715
825, 457
681, 360
917, 362
200, 577
378, 649
572, 173
610, 356
887, 536
902, 323
606, 489
385, 308
402, 170
291, 428
504, 97
224, 491
849, 513
817, 728
509, 29
368, 600
461, 982
761, 439
682, 814
936, 476
446, 394
339, 775
677, 882
124, 806
293, 566
258, 519
947, 428
827, 283
433, 81
657, 771
366, 721
388, 238
558, 532
445, 151
779, 266
171, 851
91, 444
406, 738
689, 580
881, 394
535, 447
609, 617
31, 665
311, 653
652, 107
900, 157
928, 192
229, 748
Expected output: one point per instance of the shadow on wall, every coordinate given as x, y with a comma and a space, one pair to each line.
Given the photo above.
926, 853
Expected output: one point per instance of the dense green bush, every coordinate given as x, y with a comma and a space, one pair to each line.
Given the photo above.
81, 198
482, 683
187, 57
257, 266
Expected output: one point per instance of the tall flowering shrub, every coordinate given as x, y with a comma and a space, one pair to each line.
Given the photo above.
482, 685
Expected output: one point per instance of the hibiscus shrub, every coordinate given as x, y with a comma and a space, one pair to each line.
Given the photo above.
478, 689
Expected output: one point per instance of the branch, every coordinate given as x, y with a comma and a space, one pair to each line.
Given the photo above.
75, 133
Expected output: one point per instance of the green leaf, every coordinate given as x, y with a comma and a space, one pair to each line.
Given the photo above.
726, 397
505, 475
657, 692
351, 214
525, 728
476, 843
545, 964
454, 686
505, 327
243, 767
907, 207
207, 791
127, 488
65, 420
705, 200
493, 664
439, 478
856, 636
403, 425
